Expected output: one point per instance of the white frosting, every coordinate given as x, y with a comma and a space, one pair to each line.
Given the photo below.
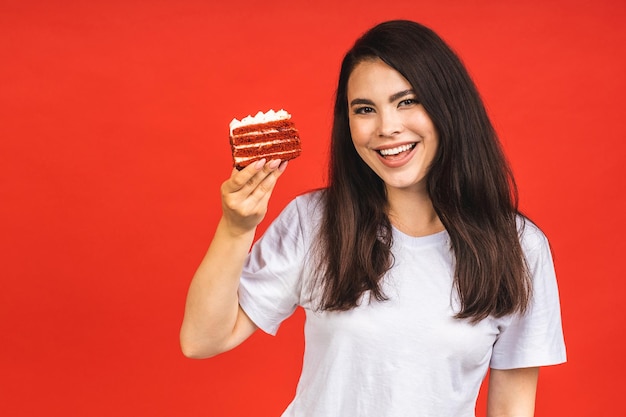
261, 144
259, 133
240, 159
260, 117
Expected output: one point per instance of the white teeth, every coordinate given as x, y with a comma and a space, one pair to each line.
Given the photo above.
396, 150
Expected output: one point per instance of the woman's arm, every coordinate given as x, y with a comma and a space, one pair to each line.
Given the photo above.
512, 392
213, 321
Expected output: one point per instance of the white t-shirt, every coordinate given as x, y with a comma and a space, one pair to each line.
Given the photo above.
407, 356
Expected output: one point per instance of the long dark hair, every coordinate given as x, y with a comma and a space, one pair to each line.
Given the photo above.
469, 182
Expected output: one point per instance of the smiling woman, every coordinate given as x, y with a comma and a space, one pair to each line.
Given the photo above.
414, 266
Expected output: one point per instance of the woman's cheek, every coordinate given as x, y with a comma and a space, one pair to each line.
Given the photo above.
359, 131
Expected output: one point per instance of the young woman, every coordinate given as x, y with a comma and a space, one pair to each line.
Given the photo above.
416, 270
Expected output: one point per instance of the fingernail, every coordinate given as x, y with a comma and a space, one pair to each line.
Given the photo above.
282, 166
259, 164
274, 163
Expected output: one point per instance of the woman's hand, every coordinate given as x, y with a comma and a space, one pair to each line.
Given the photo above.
245, 195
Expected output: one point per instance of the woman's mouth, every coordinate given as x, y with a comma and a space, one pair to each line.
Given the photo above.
394, 152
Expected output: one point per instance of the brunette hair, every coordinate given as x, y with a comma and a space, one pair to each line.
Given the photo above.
470, 184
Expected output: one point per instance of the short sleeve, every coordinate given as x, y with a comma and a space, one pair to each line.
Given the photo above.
269, 289
535, 338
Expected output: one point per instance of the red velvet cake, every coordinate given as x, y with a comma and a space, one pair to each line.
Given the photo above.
270, 135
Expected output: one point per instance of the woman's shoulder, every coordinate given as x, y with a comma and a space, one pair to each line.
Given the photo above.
312, 196
310, 202
531, 236
303, 211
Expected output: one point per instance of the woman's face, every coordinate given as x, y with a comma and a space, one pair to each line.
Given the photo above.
390, 129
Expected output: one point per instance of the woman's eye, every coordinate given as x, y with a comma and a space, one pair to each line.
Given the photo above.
408, 102
364, 110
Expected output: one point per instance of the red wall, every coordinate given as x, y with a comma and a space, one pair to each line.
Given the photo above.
113, 143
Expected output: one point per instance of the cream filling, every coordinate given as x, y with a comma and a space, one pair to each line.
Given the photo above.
259, 144
246, 158
258, 133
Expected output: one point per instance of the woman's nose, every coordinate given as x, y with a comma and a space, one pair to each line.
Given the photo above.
389, 124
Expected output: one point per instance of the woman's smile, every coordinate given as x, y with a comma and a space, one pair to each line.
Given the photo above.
392, 152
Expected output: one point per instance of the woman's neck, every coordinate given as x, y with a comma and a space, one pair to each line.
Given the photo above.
413, 213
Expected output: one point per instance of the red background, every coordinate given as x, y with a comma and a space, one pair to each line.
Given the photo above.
114, 118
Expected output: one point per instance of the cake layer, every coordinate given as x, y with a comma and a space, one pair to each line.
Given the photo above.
266, 148
269, 147
250, 139
243, 161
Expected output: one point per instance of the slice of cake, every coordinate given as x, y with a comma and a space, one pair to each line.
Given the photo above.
270, 135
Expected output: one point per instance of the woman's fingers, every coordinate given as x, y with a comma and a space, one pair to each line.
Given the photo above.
251, 176
246, 193
238, 179
263, 190
266, 179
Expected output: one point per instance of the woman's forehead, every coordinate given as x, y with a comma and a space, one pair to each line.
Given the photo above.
375, 78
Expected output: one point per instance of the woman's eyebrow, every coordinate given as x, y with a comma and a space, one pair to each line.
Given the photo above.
361, 101
400, 94
392, 98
